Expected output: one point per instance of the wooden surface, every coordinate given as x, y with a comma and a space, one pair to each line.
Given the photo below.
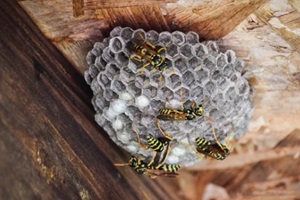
74, 28
50, 145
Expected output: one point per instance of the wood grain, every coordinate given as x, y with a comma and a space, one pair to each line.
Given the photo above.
51, 145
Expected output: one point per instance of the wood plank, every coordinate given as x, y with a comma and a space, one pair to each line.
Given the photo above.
47, 125
211, 19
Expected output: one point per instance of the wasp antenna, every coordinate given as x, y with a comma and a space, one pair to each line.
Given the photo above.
168, 102
161, 131
209, 119
181, 99
215, 136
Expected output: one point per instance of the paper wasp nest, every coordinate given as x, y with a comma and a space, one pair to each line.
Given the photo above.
126, 99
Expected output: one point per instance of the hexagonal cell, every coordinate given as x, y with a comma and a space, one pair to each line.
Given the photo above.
122, 58
217, 77
157, 79
99, 101
210, 63
230, 93
156, 104
202, 76
126, 33
139, 34
126, 74
228, 70
215, 114
90, 58
98, 48
242, 86
239, 65
107, 55
181, 64
112, 69
195, 62
100, 63
141, 80
166, 92
87, 77
131, 88
212, 47
173, 81
110, 95
186, 50
188, 78
199, 50
102, 78
172, 50
133, 113
116, 31
124, 118
150, 91
231, 58
152, 36
117, 85
196, 91
218, 99
234, 77
116, 44
182, 94
210, 87
222, 61
93, 71
95, 86
178, 38
192, 38
165, 38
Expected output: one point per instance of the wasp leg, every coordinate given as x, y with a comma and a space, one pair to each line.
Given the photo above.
195, 150
158, 49
162, 132
228, 140
163, 160
139, 140
136, 58
144, 66
216, 139
120, 164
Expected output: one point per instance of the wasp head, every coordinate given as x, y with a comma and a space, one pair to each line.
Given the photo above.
198, 110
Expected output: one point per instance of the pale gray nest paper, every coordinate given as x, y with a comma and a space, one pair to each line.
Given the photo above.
126, 99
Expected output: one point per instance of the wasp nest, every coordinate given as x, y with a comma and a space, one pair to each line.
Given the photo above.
126, 98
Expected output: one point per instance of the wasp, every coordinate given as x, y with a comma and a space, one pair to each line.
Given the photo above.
157, 166
143, 167
215, 150
168, 114
142, 50
156, 144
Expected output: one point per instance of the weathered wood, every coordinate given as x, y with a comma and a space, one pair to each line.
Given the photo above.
284, 24
74, 36
211, 19
50, 144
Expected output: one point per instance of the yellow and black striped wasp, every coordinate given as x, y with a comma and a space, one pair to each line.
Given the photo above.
215, 150
170, 114
142, 50
157, 166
